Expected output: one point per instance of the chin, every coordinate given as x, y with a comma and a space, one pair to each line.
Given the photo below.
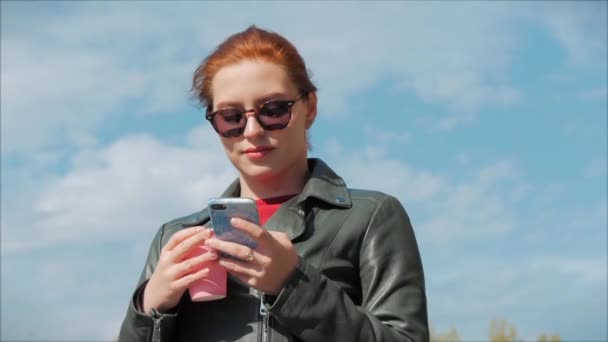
258, 170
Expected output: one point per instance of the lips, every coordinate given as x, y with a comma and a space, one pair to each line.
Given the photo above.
257, 152
257, 149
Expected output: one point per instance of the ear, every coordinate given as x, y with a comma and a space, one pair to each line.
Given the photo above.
311, 113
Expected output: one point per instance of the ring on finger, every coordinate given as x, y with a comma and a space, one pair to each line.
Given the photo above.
250, 255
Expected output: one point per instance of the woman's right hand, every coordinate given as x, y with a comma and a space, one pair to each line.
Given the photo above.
173, 273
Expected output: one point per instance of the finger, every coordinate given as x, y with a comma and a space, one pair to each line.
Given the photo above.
232, 248
193, 265
184, 282
184, 247
181, 236
240, 268
280, 236
258, 233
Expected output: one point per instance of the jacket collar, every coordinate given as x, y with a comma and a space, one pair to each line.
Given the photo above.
323, 184
294, 216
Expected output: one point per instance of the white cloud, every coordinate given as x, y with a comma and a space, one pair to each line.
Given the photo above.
500, 170
373, 170
449, 122
114, 192
63, 278
472, 210
490, 288
470, 213
580, 27
63, 76
65, 90
386, 137
445, 210
588, 270
592, 220
68, 70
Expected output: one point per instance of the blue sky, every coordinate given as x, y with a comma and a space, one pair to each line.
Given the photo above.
488, 120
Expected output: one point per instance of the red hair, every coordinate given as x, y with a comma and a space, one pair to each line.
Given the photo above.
257, 44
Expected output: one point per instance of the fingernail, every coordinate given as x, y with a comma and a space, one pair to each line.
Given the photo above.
199, 229
212, 255
209, 242
234, 220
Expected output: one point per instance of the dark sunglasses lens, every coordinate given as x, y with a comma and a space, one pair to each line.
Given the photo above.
275, 114
232, 133
229, 122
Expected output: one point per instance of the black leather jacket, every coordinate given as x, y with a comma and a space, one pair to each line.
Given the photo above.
360, 276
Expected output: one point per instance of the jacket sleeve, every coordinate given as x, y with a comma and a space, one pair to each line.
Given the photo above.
393, 306
138, 326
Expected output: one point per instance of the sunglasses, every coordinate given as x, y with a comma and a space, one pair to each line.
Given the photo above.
271, 115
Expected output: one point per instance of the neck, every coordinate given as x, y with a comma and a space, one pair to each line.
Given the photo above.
288, 182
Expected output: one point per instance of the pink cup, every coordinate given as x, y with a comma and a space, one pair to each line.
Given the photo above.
211, 287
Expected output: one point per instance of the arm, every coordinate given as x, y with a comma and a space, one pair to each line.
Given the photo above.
393, 304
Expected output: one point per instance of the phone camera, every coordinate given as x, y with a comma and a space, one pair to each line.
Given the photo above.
217, 206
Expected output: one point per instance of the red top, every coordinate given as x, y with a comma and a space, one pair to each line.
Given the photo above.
268, 206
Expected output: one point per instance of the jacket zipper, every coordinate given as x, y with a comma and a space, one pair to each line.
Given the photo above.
265, 316
156, 317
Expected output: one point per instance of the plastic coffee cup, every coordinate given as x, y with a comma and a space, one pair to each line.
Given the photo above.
211, 287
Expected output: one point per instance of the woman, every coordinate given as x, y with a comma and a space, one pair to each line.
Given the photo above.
332, 263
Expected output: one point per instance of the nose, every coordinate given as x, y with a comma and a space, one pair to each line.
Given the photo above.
252, 127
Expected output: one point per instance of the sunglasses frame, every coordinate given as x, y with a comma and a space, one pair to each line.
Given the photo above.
256, 114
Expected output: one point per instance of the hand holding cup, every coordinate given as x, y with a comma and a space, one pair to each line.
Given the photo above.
175, 272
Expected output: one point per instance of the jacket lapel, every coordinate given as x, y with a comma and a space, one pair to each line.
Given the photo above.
293, 216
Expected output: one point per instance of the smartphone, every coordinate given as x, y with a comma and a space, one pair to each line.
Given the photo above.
221, 210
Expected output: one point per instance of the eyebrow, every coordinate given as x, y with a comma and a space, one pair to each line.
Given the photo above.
258, 102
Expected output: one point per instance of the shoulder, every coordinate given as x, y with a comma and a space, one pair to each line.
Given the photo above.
385, 216
372, 198
194, 219
366, 207
378, 206
171, 227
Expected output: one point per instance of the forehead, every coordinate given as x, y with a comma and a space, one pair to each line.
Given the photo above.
249, 80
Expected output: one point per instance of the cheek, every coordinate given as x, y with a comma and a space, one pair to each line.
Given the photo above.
229, 145
298, 120
296, 138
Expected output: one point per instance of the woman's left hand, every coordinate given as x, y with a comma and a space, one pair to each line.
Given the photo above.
267, 267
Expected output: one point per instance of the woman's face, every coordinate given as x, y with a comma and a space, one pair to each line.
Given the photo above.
258, 153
